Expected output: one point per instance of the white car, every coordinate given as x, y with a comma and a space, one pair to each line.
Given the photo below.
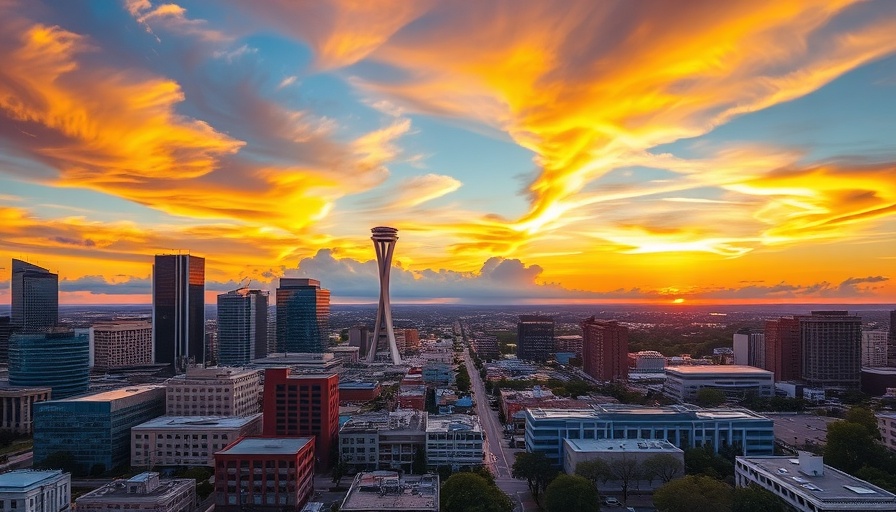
612, 502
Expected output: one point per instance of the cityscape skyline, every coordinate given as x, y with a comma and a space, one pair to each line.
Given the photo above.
611, 152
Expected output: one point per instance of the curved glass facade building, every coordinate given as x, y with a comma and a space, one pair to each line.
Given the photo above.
60, 361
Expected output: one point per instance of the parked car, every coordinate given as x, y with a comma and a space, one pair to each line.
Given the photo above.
612, 502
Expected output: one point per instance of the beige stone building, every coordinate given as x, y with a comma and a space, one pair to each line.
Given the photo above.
120, 344
213, 392
17, 407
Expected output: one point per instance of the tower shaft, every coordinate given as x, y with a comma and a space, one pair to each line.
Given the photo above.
384, 239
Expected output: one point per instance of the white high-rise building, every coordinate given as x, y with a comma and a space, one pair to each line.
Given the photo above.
874, 348
384, 239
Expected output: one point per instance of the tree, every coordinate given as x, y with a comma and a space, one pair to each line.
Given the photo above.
536, 469
418, 465
755, 499
594, 470
625, 470
702, 460
694, 494
204, 489
63, 460
866, 418
340, 468
710, 397
431, 406
569, 492
470, 492
849, 446
664, 466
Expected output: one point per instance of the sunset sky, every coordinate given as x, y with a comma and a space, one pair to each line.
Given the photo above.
629, 151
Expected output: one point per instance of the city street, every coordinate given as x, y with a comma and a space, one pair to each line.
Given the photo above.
498, 456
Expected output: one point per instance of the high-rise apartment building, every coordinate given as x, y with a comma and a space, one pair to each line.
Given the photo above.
213, 392
5, 332
35, 298
749, 348
874, 348
302, 405
120, 344
178, 310
605, 349
303, 315
535, 338
782, 348
242, 326
58, 360
831, 346
891, 340
359, 336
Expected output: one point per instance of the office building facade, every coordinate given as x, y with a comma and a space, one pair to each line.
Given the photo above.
95, 429
891, 340
242, 326
682, 425
35, 298
58, 360
535, 338
264, 474
188, 440
302, 405
831, 346
749, 348
683, 383
178, 310
782, 348
120, 344
453, 440
5, 333
303, 316
383, 440
605, 349
874, 349
213, 391
26, 490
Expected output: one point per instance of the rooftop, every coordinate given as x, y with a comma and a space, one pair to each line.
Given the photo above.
610, 412
267, 446
118, 491
114, 394
719, 369
624, 445
200, 422
832, 486
453, 423
385, 491
24, 478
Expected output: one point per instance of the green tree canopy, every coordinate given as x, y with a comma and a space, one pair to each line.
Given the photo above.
470, 492
664, 466
536, 468
594, 470
849, 446
710, 397
568, 493
694, 494
755, 499
866, 418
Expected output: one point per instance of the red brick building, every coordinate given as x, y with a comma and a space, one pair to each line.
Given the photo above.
605, 349
303, 405
264, 474
782, 348
359, 391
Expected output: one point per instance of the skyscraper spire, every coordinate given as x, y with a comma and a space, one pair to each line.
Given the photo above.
384, 239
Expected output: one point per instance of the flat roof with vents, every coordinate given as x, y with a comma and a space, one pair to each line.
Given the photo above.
267, 446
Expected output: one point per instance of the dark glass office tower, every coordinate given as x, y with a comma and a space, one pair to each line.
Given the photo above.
303, 315
535, 338
242, 326
35, 298
5, 331
178, 310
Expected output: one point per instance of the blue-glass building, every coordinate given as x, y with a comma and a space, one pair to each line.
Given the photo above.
685, 426
58, 360
95, 429
303, 316
242, 326
35, 298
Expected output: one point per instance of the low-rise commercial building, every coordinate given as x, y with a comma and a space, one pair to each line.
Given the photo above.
683, 382
806, 484
27, 490
436, 373
347, 353
685, 426
576, 451
358, 391
264, 474
647, 361
146, 492
301, 362
215, 391
387, 491
886, 423
188, 440
17, 407
453, 440
383, 440
95, 429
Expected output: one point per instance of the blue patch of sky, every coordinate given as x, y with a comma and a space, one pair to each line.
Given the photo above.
851, 117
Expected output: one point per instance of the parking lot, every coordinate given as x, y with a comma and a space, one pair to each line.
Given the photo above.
800, 429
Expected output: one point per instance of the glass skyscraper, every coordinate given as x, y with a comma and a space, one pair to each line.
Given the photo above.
178, 310
242, 326
58, 360
35, 298
535, 338
303, 315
